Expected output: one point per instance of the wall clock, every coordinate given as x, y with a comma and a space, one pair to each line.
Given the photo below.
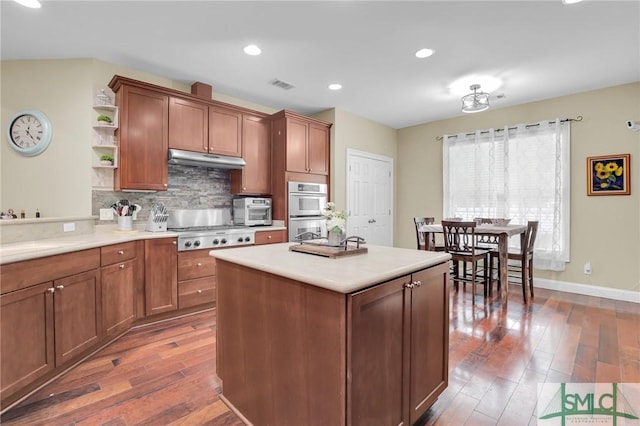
29, 132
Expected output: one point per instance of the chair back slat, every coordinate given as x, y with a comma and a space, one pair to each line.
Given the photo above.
529, 238
459, 237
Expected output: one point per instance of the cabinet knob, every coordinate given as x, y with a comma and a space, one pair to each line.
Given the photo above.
268, 237
409, 285
417, 283
198, 264
120, 252
121, 266
60, 287
51, 290
199, 291
174, 242
165, 185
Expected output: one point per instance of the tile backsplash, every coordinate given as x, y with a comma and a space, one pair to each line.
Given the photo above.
189, 188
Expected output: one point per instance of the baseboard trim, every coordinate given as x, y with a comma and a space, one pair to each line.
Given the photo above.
588, 290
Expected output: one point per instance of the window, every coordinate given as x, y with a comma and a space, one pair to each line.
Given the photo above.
522, 173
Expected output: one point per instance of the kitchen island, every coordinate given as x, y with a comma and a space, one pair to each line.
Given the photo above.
308, 340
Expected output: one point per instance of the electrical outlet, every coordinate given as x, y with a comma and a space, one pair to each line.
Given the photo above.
106, 214
587, 268
68, 227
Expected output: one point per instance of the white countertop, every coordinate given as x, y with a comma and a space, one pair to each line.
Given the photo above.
16, 252
344, 275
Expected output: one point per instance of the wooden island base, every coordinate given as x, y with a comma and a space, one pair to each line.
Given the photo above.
293, 353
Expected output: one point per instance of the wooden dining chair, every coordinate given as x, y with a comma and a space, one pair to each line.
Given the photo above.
420, 236
461, 243
524, 257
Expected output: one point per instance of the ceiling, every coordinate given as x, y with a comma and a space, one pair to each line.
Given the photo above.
538, 49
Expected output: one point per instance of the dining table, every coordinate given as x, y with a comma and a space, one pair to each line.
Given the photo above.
501, 233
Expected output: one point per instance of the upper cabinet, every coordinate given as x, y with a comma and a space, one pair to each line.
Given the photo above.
255, 178
303, 141
225, 131
188, 125
143, 136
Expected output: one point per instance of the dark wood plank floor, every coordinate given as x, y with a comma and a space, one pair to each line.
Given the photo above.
164, 374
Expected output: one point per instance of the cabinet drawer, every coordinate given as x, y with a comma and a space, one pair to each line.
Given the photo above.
14, 276
195, 264
196, 292
270, 237
117, 253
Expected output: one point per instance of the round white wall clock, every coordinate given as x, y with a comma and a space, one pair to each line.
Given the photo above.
29, 132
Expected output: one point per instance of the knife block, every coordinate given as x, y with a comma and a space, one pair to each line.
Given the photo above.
157, 222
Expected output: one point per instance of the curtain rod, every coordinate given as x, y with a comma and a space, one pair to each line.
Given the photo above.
578, 118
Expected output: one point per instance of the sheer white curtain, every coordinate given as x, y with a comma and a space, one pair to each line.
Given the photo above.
520, 172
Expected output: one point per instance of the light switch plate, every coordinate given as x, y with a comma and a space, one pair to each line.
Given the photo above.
106, 214
68, 227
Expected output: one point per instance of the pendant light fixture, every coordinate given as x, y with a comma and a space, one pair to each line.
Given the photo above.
476, 101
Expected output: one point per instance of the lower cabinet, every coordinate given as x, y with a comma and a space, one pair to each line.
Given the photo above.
160, 275
196, 278
118, 297
409, 318
47, 325
270, 237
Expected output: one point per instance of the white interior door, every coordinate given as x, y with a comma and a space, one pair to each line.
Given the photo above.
370, 197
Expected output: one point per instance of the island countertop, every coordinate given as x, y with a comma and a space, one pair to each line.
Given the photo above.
344, 275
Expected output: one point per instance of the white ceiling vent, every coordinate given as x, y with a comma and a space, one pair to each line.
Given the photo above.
281, 84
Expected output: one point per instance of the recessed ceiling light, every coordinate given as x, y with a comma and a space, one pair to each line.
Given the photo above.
252, 50
33, 4
335, 86
571, 1
424, 53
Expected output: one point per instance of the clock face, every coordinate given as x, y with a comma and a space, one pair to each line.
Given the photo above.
29, 132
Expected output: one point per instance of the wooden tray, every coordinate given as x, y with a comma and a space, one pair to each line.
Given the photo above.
328, 251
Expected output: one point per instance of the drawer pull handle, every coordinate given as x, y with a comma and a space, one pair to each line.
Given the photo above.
199, 291
120, 252
121, 266
60, 287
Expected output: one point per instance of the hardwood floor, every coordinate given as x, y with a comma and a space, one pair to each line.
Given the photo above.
164, 374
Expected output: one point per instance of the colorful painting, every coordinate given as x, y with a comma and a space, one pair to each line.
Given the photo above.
608, 175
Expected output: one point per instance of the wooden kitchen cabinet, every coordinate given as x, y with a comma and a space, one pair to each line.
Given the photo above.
225, 131
255, 177
303, 142
119, 276
161, 275
188, 125
143, 136
413, 369
48, 324
270, 237
196, 278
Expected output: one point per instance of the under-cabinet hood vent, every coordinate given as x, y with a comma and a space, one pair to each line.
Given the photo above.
200, 159
281, 84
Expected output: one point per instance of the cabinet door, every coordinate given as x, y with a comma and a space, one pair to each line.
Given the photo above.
255, 178
161, 275
188, 125
118, 297
144, 140
429, 338
318, 149
377, 392
26, 327
78, 314
225, 131
296, 145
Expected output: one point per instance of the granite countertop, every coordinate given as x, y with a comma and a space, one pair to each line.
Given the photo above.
344, 275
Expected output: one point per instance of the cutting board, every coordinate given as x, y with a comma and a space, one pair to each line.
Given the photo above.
327, 251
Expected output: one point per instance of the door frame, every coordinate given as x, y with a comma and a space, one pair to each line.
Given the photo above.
355, 152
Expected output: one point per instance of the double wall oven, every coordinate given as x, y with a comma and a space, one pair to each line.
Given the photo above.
307, 202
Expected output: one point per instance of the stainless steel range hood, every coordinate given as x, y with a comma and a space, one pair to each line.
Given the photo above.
214, 161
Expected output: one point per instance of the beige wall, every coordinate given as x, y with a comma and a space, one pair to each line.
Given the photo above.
58, 181
604, 230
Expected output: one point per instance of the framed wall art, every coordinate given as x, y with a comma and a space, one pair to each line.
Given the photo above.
609, 175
